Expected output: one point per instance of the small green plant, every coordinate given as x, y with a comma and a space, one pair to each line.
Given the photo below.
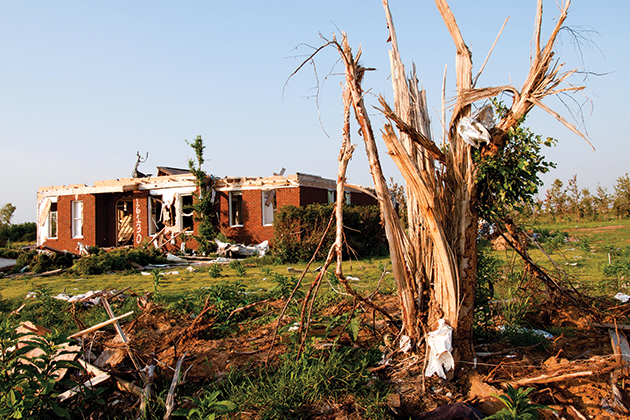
157, 274
265, 271
27, 386
207, 407
515, 308
284, 286
517, 405
215, 271
238, 267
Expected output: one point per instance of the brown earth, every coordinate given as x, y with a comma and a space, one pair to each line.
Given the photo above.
573, 375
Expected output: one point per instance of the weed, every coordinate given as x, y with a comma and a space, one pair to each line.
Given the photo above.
215, 271
487, 274
285, 390
238, 267
27, 388
206, 407
157, 274
517, 405
515, 308
284, 286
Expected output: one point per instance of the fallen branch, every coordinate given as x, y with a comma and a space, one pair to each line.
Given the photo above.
170, 399
246, 307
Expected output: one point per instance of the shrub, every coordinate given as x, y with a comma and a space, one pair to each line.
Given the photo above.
116, 260
298, 231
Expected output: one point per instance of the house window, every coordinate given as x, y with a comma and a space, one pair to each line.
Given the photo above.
268, 207
347, 198
186, 212
155, 224
236, 208
124, 221
52, 221
331, 196
77, 219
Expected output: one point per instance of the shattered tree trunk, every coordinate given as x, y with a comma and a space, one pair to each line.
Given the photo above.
437, 257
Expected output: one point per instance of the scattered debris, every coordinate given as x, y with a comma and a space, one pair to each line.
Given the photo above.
241, 251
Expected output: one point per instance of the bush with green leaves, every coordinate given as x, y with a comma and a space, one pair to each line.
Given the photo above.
298, 231
283, 286
117, 260
215, 271
509, 180
28, 386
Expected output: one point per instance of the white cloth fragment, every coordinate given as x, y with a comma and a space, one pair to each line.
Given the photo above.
440, 344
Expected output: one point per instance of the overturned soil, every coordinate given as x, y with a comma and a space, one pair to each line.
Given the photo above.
576, 373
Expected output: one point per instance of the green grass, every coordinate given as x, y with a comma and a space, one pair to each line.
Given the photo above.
255, 278
580, 260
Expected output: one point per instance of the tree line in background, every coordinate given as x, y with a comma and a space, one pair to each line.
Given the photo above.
22, 232
572, 203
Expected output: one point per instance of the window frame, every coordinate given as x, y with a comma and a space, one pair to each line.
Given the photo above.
77, 219
53, 221
265, 213
231, 210
182, 217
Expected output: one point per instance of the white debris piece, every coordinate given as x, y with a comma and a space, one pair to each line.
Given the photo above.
622, 297
440, 358
224, 249
405, 344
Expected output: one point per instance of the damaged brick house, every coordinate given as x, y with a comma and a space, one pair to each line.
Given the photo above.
129, 211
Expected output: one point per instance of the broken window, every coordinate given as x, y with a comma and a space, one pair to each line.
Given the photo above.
155, 224
236, 208
77, 219
268, 206
186, 212
124, 221
52, 221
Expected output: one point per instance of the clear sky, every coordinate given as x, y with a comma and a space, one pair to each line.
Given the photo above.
86, 85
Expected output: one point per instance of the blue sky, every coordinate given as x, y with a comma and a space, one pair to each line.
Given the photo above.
85, 85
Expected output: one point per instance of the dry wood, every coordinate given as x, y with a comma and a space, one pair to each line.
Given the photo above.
619, 344
170, 398
122, 384
99, 326
545, 379
624, 327
89, 384
123, 337
251, 305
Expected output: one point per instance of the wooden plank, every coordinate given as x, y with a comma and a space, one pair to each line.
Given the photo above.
99, 326
89, 384
122, 384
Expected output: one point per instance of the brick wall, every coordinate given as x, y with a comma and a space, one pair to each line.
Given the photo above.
362, 199
64, 240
